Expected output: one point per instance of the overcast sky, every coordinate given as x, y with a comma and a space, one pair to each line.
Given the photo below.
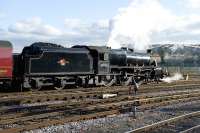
70, 22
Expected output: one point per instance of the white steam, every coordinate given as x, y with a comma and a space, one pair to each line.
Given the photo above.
136, 23
145, 22
175, 77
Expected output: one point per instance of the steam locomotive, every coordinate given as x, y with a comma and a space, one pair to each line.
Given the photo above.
46, 64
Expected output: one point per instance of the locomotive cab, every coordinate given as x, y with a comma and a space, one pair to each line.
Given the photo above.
100, 57
103, 59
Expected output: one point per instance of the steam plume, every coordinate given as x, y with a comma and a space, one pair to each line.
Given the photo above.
135, 24
143, 21
175, 77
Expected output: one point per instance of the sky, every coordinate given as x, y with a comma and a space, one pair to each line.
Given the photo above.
86, 22
23, 22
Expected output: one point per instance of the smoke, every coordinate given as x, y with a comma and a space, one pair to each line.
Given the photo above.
175, 77
145, 22
136, 23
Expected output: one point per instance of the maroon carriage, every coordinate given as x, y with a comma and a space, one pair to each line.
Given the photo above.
6, 62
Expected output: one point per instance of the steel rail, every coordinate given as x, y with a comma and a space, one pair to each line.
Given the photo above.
165, 122
192, 129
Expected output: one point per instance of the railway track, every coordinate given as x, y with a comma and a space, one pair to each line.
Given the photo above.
85, 93
144, 86
179, 119
86, 103
151, 85
192, 129
81, 104
95, 109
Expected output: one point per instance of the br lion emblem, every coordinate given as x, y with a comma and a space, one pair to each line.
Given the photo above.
63, 62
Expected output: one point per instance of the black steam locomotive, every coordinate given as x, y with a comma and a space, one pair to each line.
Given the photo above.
46, 64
